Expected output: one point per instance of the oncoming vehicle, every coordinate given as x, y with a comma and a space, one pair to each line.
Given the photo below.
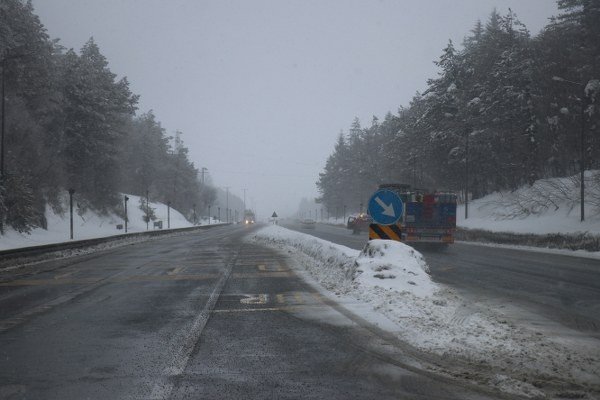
308, 223
249, 217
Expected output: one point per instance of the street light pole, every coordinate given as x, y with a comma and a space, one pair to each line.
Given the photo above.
71, 192
168, 215
204, 170
467, 176
126, 199
582, 143
582, 164
3, 119
147, 211
227, 202
244, 202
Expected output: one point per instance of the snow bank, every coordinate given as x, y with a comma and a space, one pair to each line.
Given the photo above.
333, 264
390, 280
547, 206
89, 224
394, 266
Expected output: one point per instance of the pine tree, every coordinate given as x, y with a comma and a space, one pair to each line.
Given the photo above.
96, 111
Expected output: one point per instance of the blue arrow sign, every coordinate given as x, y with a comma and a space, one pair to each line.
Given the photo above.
386, 207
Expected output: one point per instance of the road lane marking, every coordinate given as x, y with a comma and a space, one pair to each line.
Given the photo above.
244, 275
236, 310
317, 296
64, 275
254, 299
298, 298
176, 270
281, 268
129, 279
267, 309
444, 269
182, 348
50, 282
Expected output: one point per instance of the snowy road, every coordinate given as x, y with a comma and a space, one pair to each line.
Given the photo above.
204, 315
550, 289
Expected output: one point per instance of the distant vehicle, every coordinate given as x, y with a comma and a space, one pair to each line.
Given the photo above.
358, 223
429, 217
249, 217
308, 223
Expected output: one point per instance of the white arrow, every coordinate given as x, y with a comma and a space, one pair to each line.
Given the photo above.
387, 210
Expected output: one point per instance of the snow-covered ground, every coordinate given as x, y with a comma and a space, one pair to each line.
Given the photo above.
391, 279
91, 225
548, 206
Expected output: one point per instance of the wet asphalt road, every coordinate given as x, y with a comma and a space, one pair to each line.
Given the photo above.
201, 315
550, 290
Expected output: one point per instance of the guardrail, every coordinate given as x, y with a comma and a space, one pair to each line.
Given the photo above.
33, 251
570, 241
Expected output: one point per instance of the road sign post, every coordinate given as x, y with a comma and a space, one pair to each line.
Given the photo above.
385, 207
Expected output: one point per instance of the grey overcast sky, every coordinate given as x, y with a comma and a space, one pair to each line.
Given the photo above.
261, 88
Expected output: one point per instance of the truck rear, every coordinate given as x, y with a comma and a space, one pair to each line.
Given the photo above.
428, 217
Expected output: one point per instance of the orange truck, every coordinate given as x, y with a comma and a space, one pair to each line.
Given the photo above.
358, 223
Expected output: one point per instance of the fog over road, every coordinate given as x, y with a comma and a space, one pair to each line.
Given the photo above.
201, 315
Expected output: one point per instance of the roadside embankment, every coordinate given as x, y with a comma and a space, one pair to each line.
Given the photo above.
570, 241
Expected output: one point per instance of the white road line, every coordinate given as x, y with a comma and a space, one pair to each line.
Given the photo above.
182, 348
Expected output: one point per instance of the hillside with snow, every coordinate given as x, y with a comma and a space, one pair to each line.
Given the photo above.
547, 206
89, 224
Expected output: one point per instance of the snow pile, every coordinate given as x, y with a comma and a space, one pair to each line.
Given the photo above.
394, 266
89, 224
391, 279
547, 206
334, 264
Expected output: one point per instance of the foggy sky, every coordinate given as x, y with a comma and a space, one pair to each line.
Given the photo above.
261, 89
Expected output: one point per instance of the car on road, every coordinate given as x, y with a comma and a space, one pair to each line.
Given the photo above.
358, 223
308, 223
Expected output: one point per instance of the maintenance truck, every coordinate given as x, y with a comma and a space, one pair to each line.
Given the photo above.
428, 217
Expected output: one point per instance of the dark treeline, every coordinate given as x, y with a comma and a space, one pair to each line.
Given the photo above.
69, 123
510, 104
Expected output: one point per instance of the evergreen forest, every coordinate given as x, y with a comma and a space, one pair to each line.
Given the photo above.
69, 123
506, 108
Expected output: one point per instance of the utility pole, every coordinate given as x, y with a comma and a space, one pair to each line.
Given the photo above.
227, 202
203, 171
3, 119
147, 211
582, 142
209, 217
244, 202
194, 208
71, 192
582, 152
168, 215
467, 175
126, 200
2, 141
